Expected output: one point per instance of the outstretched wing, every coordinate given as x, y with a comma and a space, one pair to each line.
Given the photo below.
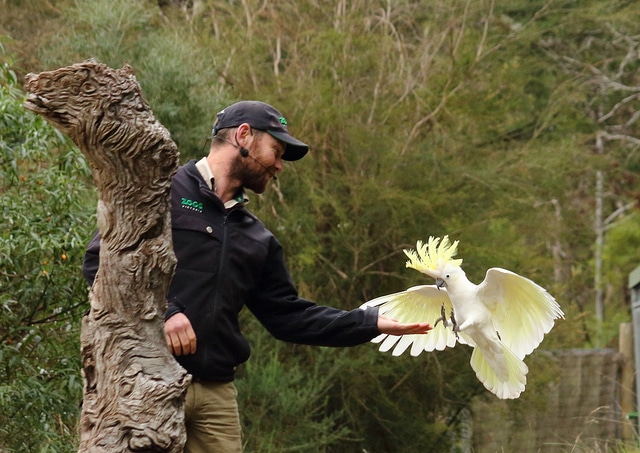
523, 312
417, 304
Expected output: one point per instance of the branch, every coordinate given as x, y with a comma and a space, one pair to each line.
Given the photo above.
608, 82
485, 30
332, 266
619, 105
622, 137
618, 212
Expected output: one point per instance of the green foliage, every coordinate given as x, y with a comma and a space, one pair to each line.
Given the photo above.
172, 64
46, 214
404, 403
285, 401
623, 235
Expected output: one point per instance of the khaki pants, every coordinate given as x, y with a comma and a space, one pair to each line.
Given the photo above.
212, 419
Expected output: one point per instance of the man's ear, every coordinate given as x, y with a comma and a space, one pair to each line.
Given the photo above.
244, 135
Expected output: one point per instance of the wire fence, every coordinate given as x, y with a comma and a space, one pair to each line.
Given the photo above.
578, 410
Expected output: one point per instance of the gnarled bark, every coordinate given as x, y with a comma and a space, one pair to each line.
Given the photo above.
133, 387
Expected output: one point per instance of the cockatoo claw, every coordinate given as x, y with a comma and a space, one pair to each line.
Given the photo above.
448, 322
443, 317
454, 326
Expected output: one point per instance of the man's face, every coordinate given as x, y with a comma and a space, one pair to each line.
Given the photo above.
262, 163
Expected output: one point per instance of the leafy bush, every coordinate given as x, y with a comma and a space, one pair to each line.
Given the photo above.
285, 400
46, 208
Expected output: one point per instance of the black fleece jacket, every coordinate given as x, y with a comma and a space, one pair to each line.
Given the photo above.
227, 258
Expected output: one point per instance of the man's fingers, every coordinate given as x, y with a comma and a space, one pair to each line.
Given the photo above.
419, 327
187, 340
181, 338
175, 346
393, 327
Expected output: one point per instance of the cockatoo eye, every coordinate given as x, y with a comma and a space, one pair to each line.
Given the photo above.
447, 275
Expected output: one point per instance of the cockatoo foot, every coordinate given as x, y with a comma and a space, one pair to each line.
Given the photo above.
454, 326
442, 318
448, 322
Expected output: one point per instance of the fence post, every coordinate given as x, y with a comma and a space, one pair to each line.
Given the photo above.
627, 378
634, 286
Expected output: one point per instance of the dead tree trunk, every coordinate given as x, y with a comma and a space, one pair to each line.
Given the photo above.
133, 387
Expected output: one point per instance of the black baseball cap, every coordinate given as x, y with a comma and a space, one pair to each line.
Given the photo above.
263, 117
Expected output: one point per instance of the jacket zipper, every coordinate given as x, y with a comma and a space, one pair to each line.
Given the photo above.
217, 302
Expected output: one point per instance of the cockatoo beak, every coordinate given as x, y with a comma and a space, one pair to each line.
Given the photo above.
440, 283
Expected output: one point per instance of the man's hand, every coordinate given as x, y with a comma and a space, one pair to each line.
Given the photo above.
180, 335
393, 327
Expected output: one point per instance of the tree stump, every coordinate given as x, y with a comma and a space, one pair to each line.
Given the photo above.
133, 397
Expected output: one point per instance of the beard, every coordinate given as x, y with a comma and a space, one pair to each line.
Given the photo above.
252, 177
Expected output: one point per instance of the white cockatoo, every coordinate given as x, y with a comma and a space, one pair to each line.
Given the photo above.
504, 318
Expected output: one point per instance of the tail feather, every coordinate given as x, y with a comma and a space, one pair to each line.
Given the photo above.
501, 371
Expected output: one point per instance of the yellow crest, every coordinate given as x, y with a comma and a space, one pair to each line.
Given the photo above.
433, 255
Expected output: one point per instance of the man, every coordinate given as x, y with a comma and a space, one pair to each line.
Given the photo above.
227, 259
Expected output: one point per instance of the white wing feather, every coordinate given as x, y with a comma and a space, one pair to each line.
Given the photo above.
416, 304
523, 312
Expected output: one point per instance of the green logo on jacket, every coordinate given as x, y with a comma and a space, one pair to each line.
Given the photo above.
190, 204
